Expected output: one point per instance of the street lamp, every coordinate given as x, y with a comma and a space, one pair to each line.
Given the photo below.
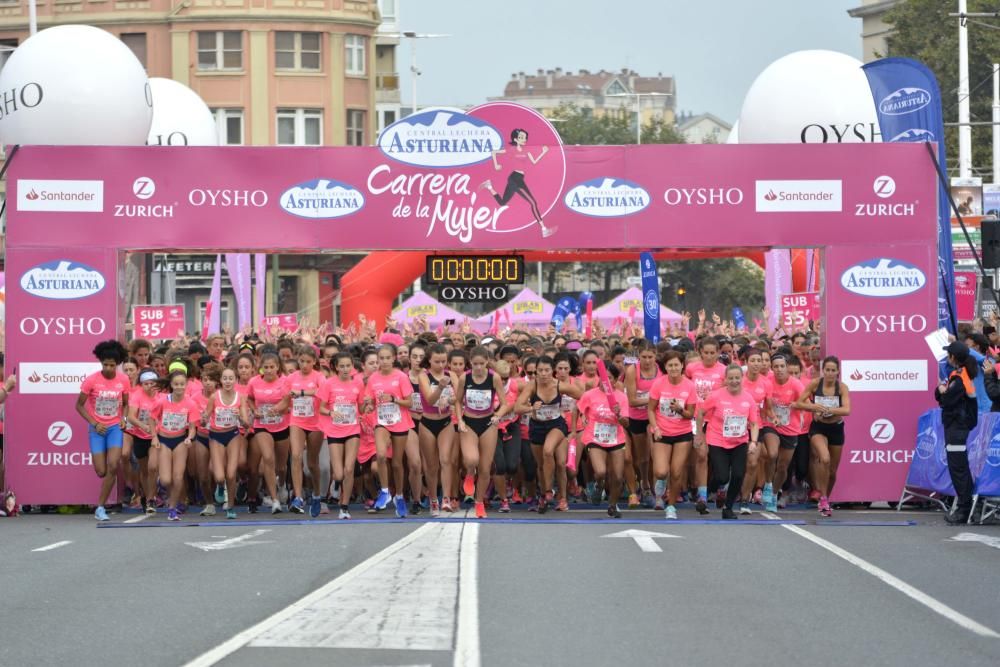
414, 71
638, 109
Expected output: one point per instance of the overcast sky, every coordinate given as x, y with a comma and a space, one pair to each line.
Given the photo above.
714, 48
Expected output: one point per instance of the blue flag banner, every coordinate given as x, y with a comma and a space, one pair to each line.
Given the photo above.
908, 106
929, 467
581, 308
564, 307
739, 319
650, 297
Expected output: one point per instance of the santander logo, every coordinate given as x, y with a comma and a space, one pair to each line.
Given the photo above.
770, 196
35, 378
32, 195
856, 375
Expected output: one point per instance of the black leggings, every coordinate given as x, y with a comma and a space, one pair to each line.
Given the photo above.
528, 463
799, 465
516, 185
508, 452
728, 465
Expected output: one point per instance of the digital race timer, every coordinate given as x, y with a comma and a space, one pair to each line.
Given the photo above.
475, 270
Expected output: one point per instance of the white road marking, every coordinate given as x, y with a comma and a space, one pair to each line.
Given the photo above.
906, 589
467, 634
232, 542
137, 519
400, 598
645, 539
53, 546
976, 537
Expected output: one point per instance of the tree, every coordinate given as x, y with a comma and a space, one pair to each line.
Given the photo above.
922, 30
713, 284
581, 127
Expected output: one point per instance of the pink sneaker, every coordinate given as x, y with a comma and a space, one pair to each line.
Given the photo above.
824, 506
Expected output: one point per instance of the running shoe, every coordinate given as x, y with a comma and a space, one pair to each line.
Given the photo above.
701, 506
469, 487
658, 503
595, 495
435, 509
253, 504
516, 499
728, 514
815, 495
563, 506
745, 508
297, 506
230, 513
824, 506
182, 508
758, 498
480, 510
315, 506
445, 506
648, 501
150, 507
767, 497
136, 503
382, 501
532, 504
265, 498
543, 504
282, 495
344, 513
633, 501
782, 500
425, 503
275, 507
670, 513
172, 515
101, 514
613, 511
574, 489
324, 508
415, 508
400, 503
720, 498
660, 488
241, 492
208, 510
504, 506
220, 493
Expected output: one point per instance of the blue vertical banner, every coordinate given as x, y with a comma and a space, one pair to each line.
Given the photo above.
564, 307
650, 297
581, 308
908, 106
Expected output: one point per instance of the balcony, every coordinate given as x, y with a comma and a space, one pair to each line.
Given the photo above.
387, 88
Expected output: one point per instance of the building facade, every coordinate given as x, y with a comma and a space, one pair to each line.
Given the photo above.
273, 72
704, 128
595, 92
874, 29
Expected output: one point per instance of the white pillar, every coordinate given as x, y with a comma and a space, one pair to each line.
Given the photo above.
996, 123
964, 129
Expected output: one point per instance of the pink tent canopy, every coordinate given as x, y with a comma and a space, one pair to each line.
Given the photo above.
620, 306
527, 309
424, 304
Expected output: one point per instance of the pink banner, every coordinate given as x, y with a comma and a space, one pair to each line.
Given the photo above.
285, 322
777, 281
212, 314
238, 267
158, 322
965, 295
260, 283
799, 309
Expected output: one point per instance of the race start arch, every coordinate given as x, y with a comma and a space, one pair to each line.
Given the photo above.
73, 212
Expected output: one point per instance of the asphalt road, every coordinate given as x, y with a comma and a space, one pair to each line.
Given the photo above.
550, 590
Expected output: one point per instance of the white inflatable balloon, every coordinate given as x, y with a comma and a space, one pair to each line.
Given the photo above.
810, 97
180, 116
74, 84
734, 134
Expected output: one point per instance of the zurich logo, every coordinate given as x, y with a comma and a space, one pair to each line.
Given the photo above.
651, 301
607, 198
322, 198
440, 137
913, 135
883, 277
62, 279
904, 101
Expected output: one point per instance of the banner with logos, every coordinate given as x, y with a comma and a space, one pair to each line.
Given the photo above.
158, 322
799, 309
650, 297
67, 205
929, 466
908, 106
284, 322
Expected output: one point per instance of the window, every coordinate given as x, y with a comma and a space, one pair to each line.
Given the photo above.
288, 294
355, 54
616, 88
388, 10
136, 42
300, 127
229, 123
297, 50
221, 50
7, 47
356, 127
386, 118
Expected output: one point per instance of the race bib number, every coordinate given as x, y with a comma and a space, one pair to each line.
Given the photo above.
268, 415
174, 421
446, 399
225, 418
668, 411
734, 426
547, 413
567, 403
143, 415
605, 434
828, 401
782, 414
106, 407
345, 414
388, 414
302, 406
642, 395
418, 402
479, 399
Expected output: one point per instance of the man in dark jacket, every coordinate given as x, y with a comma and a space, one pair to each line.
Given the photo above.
959, 415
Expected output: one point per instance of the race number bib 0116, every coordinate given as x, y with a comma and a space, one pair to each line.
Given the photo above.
478, 399
734, 426
345, 414
782, 414
225, 417
302, 406
605, 434
174, 421
388, 414
106, 407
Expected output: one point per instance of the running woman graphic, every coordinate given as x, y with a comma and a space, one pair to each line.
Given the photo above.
523, 161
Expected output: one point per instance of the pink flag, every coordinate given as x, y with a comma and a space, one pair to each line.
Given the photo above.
238, 267
506, 317
215, 297
260, 282
590, 318
631, 314
496, 323
204, 325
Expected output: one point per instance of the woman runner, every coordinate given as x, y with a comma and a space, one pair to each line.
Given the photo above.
781, 430
830, 401
225, 408
267, 402
436, 439
176, 418
671, 405
339, 401
603, 436
304, 431
140, 411
758, 386
708, 375
638, 381
475, 397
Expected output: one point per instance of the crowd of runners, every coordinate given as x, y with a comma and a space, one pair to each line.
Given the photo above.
440, 421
